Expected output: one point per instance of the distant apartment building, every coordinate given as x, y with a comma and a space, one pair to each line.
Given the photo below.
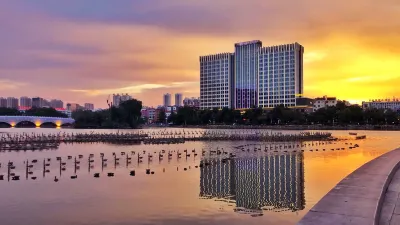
57, 104
46, 103
252, 76
65, 111
168, 110
192, 102
304, 104
74, 107
280, 75
3, 102
167, 100
178, 99
149, 113
89, 106
38, 102
25, 102
393, 104
216, 78
12, 103
324, 102
119, 98
157, 112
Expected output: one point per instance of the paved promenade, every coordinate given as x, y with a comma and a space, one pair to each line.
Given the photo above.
390, 213
358, 198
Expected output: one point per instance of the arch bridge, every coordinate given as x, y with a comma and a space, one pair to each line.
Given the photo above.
37, 120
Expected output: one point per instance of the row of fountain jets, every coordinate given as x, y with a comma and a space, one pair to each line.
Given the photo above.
218, 151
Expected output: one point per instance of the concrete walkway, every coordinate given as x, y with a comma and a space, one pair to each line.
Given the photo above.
358, 198
390, 213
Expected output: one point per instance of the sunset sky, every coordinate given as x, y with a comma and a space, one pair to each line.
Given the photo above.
83, 50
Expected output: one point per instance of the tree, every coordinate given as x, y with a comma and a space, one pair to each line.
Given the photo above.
131, 109
161, 116
9, 112
44, 112
127, 115
352, 114
204, 116
374, 116
172, 117
391, 117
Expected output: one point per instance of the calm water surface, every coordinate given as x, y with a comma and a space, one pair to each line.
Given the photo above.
254, 188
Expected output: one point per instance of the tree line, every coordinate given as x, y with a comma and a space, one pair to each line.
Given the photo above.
126, 115
340, 114
43, 112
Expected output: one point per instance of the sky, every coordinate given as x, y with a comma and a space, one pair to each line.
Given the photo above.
85, 50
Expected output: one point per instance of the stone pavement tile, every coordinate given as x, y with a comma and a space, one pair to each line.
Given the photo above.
355, 191
380, 165
391, 197
396, 174
394, 185
350, 206
397, 209
386, 213
364, 180
318, 218
395, 220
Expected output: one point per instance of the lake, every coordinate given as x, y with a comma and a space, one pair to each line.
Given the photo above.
256, 187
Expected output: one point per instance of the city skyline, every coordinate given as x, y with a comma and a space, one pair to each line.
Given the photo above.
58, 50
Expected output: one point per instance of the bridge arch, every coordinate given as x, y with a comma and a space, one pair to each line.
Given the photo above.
49, 124
5, 125
24, 123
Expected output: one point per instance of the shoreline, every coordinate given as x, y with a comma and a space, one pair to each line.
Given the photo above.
246, 127
288, 127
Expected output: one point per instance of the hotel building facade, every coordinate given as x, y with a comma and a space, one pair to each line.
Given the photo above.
280, 75
246, 72
262, 76
216, 80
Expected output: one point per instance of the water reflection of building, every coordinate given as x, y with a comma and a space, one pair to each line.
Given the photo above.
275, 181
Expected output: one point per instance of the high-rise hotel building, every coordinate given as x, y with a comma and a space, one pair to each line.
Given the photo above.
252, 76
216, 80
280, 78
246, 72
